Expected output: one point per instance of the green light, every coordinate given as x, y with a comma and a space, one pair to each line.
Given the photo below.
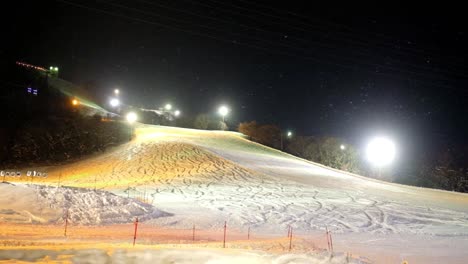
56, 68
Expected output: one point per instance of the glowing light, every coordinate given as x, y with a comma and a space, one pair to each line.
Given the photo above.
342, 147
289, 134
223, 110
51, 68
56, 68
380, 151
75, 102
116, 91
168, 107
131, 117
114, 102
177, 113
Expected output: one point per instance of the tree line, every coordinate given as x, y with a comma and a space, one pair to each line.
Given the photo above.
443, 172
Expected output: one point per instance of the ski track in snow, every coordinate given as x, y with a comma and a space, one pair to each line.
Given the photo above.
207, 181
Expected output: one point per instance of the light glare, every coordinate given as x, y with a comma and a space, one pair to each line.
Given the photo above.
114, 102
223, 110
131, 117
380, 151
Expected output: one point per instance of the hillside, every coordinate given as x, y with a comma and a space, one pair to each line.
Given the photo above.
208, 177
229, 176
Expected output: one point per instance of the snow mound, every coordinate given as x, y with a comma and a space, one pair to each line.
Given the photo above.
89, 207
46, 204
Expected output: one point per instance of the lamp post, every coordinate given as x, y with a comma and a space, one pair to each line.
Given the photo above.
131, 118
288, 135
223, 111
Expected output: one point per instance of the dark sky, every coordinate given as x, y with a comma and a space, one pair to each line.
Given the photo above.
318, 69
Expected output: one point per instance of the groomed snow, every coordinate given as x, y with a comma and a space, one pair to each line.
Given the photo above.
208, 177
167, 256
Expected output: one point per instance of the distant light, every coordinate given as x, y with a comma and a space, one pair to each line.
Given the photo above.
289, 134
342, 147
380, 151
223, 110
114, 102
116, 91
177, 113
131, 117
56, 68
51, 68
75, 102
168, 107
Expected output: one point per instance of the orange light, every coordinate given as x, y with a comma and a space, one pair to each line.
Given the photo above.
75, 102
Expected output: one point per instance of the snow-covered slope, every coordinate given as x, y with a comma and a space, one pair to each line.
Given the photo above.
230, 178
208, 177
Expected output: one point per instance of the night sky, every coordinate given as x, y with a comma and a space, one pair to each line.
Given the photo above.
346, 71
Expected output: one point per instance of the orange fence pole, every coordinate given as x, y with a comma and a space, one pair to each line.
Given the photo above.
224, 239
193, 233
290, 239
135, 234
66, 223
328, 239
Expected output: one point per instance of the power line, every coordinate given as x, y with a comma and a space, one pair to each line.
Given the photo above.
423, 67
336, 25
280, 43
266, 49
348, 38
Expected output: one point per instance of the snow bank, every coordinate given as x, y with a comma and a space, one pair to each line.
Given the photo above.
46, 204
98, 207
164, 256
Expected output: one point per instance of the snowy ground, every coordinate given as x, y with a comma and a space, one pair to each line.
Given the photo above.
167, 256
207, 178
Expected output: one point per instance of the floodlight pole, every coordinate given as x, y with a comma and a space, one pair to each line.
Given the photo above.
281, 136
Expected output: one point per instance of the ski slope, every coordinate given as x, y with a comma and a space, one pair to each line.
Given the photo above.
208, 177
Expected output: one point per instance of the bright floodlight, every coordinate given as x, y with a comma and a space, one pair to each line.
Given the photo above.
223, 110
75, 102
51, 68
342, 147
116, 91
114, 102
380, 151
289, 134
131, 117
177, 113
56, 69
168, 107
